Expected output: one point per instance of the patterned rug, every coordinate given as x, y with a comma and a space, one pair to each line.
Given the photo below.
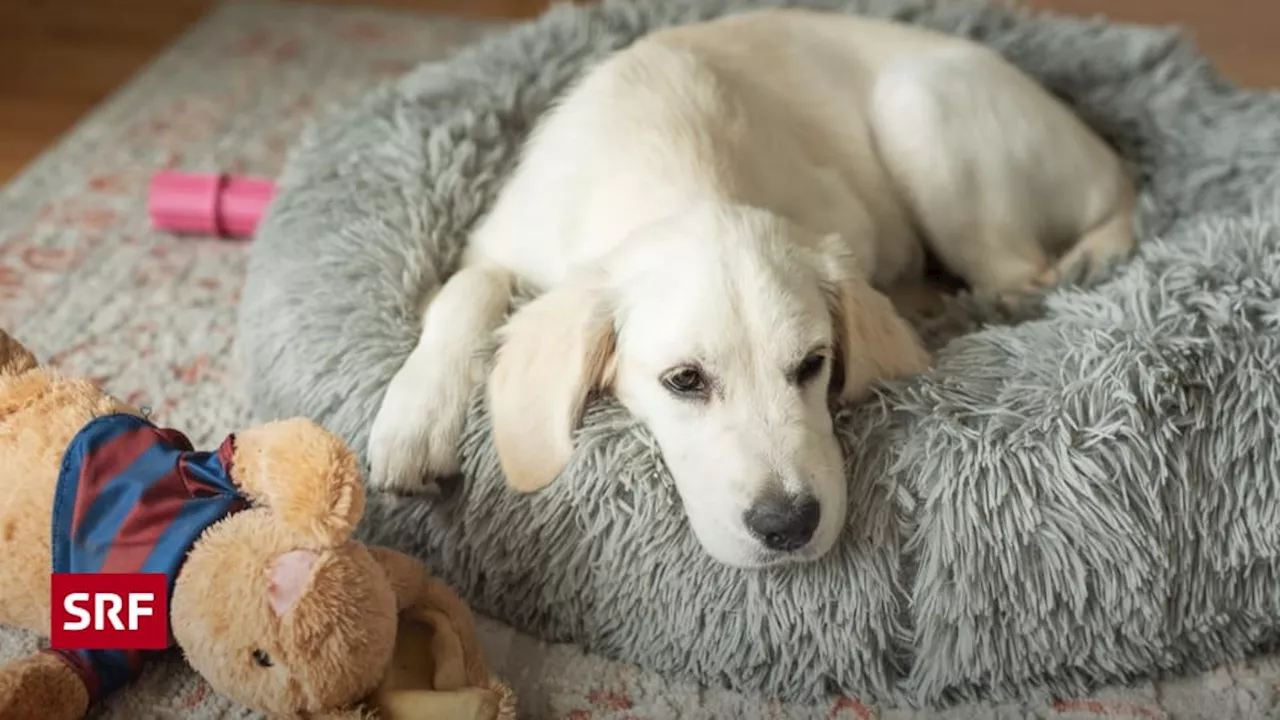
91, 289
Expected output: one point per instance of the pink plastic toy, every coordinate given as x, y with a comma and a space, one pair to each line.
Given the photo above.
208, 203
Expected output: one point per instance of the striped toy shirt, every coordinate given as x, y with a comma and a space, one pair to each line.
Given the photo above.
133, 498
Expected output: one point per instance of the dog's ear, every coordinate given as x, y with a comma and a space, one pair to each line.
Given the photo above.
555, 352
872, 340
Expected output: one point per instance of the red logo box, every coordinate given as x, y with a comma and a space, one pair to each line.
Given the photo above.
109, 611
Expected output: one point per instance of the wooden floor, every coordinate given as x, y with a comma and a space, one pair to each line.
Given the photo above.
58, 58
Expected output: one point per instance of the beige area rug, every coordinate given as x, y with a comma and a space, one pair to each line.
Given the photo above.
87, 286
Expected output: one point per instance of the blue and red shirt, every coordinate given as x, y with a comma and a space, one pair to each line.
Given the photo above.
133, 498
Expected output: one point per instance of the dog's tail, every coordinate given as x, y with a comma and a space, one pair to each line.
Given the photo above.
14, 358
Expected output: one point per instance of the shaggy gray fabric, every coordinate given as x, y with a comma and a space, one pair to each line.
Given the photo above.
1085, 495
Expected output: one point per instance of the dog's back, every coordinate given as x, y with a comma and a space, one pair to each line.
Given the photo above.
766, 109
777, 110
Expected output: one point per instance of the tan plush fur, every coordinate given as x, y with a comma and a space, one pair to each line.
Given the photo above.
40, 686
349, 631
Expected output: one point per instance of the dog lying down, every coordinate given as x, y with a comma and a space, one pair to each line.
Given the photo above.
712, 219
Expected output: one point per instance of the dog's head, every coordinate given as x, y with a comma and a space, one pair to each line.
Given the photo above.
727, 331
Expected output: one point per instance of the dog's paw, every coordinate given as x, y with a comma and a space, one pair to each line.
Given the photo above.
413, 443
407, 455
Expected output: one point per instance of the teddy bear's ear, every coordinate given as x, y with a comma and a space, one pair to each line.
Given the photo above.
290, 576
305, 475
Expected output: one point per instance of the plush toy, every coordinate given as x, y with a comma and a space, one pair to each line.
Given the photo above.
270, 599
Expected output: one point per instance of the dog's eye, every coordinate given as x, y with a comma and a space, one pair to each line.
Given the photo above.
809, 368
262, 658
686, 381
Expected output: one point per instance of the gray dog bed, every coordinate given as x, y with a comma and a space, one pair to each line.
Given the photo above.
1088, 494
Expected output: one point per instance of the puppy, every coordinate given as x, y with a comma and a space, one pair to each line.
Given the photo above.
712, 218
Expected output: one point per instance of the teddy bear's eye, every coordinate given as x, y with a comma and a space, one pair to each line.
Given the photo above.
262, 658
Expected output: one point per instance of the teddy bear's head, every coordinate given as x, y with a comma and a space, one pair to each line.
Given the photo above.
276, 605
285, 630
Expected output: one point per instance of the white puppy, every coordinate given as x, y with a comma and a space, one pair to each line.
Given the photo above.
710, 217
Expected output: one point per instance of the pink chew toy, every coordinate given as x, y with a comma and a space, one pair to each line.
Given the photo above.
208, 203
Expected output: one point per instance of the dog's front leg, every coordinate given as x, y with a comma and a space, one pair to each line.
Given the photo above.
414, 439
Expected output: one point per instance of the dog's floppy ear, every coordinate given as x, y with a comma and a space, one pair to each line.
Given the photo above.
555, 352
873, 341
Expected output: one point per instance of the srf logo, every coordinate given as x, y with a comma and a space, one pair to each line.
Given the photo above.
109, 611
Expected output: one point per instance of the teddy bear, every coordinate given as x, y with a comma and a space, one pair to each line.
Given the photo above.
270, 598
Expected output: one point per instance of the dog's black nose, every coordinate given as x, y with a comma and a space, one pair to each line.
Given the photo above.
784, 523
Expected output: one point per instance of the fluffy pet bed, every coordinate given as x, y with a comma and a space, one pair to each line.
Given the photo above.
1084, 495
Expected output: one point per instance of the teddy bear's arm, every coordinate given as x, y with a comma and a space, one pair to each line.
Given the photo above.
41, 687
408, 576
430, 599
305, 475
